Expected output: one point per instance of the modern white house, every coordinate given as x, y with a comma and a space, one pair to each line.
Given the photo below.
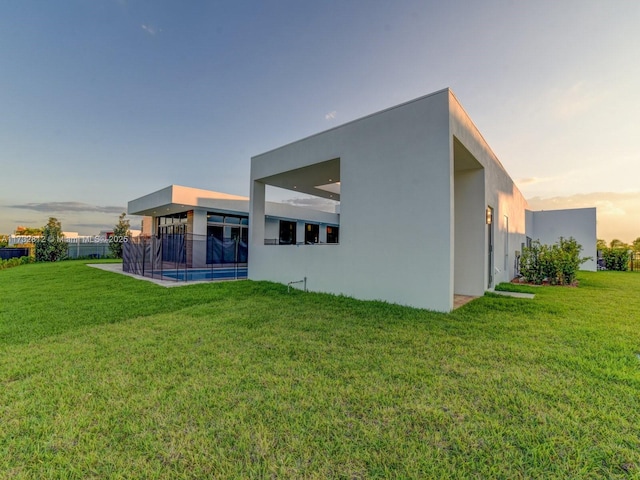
204, 232
427, 211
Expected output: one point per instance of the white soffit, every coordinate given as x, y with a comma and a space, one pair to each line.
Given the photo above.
330, 187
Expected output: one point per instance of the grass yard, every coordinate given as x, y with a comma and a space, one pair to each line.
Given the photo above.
105, 376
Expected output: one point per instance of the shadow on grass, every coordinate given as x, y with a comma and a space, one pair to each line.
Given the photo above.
40, 300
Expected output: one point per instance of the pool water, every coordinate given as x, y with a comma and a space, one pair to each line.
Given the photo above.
206, 274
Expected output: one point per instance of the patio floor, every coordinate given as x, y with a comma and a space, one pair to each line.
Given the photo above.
460, 300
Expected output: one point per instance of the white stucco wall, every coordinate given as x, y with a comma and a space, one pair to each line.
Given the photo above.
500, 193
272, 228
469, 232
580, 223
199, 242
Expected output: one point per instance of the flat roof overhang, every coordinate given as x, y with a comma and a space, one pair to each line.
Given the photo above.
176, 199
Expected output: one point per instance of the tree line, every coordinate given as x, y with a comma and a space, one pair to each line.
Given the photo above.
617, 255
49, 240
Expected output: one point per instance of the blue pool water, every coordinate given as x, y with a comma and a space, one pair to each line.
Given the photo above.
206, 274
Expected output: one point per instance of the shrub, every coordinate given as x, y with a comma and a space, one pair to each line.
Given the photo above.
557, 263
14, 262
616, 258
531, 267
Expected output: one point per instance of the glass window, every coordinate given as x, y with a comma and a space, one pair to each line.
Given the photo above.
287, 232
232, 220
333, 234
173, 218
214, 217
311, 233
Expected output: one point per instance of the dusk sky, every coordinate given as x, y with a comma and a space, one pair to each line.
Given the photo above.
103, 101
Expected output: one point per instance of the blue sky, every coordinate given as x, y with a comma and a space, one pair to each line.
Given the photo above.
104, 101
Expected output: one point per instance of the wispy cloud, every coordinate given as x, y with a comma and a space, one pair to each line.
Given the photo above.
22, 221
531, 180
316, 203
101, 226
151, 30
583, 200
331, 115
64, 207
576, 100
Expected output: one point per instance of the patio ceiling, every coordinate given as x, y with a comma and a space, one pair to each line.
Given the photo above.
320, 179
463, 159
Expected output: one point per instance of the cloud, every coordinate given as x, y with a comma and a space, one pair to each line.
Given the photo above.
576, 100
23, 222
102, 226
317, 203
150, 30
64, 207
583, 200
532, 180
331, 115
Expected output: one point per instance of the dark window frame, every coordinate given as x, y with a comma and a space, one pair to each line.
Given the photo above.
287, 232
311, 233
333, 234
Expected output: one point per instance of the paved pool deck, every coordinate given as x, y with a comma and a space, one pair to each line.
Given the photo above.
117, 268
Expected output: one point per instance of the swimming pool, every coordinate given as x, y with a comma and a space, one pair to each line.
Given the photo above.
194, 274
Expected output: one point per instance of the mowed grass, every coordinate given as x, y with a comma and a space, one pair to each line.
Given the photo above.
104, 376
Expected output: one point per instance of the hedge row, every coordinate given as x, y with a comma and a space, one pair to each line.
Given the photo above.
15, 262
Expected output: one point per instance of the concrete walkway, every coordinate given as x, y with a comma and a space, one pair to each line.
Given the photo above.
514, 294
117, 268
460, 300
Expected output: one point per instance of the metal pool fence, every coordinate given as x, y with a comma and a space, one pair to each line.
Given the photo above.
185, 257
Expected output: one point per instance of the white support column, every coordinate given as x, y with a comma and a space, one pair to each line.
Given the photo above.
199, 240
256, 214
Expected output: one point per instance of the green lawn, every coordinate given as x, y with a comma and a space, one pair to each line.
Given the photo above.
105, 376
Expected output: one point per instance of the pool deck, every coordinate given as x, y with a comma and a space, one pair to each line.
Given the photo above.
117, 268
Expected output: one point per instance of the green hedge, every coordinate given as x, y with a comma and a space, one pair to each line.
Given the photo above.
558, 263
616, 258
15, 262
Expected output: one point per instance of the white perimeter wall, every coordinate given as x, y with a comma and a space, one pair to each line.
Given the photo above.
548, 226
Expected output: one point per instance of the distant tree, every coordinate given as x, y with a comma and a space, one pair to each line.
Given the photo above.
28, 231
51, 247
4, 241
636, 244
601, 244
121, 232
615, 243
